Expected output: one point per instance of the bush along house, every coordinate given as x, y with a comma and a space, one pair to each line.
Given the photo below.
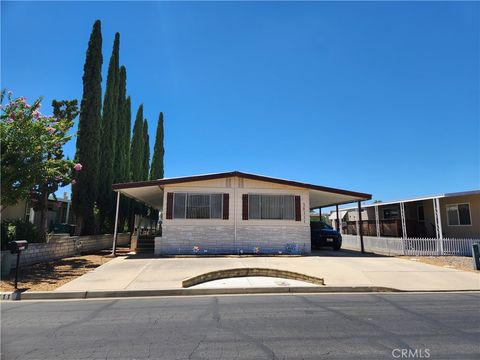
233, 212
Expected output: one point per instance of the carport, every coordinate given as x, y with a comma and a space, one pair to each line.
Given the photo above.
240, 191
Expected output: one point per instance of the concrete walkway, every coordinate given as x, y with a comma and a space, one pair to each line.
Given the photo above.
343, 268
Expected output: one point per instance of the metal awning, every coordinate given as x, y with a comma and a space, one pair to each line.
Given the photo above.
151, 192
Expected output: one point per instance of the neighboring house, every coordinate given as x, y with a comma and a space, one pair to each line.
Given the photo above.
234, 212
459, 217
59, 212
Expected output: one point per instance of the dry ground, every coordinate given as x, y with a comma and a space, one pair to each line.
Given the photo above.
53, 274
454, 262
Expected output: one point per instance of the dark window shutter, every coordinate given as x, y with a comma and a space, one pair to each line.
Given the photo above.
298, 213
245, 207
169, 205
226, 204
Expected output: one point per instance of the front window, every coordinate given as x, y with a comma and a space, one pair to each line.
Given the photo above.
197, 206
458, 214
421, 213
391, 214
271, 207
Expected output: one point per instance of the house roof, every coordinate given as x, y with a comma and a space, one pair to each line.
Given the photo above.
151, 192
431, 197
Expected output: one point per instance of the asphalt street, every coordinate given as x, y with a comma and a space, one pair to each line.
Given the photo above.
325, 326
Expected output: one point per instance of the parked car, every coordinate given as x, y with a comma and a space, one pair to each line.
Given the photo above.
324, 235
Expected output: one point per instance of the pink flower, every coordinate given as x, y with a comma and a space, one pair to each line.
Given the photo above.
74, 182
36, 114
78, 167
51, 130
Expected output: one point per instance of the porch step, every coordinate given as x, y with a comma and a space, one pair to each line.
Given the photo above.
145, 245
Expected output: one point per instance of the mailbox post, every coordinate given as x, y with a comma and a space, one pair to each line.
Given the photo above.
16, 247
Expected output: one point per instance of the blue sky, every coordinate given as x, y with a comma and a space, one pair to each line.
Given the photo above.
378, 97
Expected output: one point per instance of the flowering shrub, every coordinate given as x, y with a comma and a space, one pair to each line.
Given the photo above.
32, 162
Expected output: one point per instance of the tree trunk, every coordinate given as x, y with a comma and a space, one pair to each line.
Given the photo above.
79, 225
44, 215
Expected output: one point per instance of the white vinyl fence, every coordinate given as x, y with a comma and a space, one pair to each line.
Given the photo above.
400, 246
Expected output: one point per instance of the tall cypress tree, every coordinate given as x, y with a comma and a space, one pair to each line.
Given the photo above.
108, 161
146, 151
122, 148
137, 148
136, 160
146, 160
126, 139
84, 191
119, 170
156, 171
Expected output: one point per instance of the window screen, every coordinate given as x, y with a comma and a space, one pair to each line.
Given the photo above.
197, 206
179, 206
271, 207
458, 214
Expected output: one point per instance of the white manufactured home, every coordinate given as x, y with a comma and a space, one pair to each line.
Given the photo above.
234, 212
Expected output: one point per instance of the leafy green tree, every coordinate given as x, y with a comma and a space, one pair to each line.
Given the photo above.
85, 188
32, 163
108, 161
156, 171
63, 111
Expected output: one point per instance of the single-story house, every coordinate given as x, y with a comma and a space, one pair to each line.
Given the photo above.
451, 215
234, 212
59, 211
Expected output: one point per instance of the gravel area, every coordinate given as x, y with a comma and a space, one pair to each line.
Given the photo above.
53, 274
454, 262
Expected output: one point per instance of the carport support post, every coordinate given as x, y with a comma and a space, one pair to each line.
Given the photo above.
360, 227
115, 230
404, 223
337, 221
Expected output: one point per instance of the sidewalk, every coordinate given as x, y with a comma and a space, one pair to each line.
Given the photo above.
338, 269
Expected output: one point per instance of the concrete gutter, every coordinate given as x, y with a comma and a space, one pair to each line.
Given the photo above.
245, 272
96, 294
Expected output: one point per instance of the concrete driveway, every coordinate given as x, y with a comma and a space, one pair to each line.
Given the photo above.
343, 268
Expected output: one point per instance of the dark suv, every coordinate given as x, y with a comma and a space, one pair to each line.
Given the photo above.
324, 235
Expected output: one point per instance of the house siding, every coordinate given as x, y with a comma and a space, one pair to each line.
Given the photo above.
463, 231
234, 235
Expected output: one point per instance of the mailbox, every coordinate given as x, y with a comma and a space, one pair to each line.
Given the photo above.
476, 255
17, 246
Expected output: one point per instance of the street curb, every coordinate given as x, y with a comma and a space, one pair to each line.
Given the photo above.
96, 294
245, 272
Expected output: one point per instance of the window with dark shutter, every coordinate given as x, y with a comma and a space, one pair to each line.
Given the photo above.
169, 205
245, 207
226, 198
298, 213
196, 206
